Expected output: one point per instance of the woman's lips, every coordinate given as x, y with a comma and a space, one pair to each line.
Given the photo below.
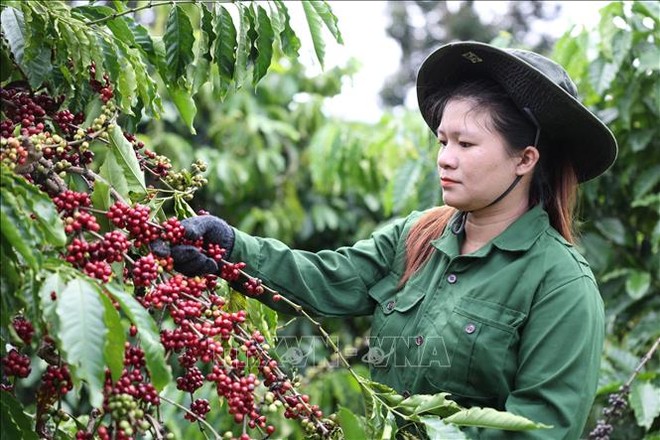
444, 181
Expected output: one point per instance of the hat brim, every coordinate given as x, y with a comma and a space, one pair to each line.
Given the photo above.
567, 126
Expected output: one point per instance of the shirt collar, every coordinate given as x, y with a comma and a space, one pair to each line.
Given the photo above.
519, 236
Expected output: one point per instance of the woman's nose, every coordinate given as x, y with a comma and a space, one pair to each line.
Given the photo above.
446, 158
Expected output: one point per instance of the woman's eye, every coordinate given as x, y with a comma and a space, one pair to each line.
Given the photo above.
465, 144
443, 143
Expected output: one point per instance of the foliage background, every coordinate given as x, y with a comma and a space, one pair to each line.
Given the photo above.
279, 167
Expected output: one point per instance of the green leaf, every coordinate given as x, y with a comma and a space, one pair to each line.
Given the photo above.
351, 425
437, 404
612, 228
121, 31
6, 64
84, 57
113, 173
179, 39
126, 80
13, 28
645, 402
404, 184
243, 47
119, 5
646, 181
93, 12
127, 160
621, 45
111, 59
437, 429
114, 345
290, 41
53, 283
315, 31
491, 418
101, 196
13, 227
185, 103
649, 57
638, 283
149, 336
15, 423
225, 43
207, 28
142, 38
263, 318
639, 139
35, 33
324, 11
82, 335
40, 209
12, 276
264, 45
182, 208
601, 75
145, 85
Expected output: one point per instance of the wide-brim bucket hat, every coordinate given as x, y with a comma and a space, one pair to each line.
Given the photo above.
534, 82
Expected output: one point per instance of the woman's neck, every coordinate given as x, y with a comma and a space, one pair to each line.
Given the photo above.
484, 225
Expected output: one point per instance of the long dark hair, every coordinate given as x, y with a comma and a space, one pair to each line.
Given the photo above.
554, 182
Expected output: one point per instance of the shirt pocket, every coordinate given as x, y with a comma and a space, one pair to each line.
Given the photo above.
394, 311
480, 336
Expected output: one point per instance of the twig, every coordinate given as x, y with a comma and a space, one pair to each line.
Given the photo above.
644, 360
202, 421
156, 425
151, 4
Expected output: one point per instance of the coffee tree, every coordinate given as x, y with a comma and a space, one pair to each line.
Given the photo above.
617, 68
97, 330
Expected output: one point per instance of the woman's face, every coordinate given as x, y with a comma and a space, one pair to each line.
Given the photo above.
474, 164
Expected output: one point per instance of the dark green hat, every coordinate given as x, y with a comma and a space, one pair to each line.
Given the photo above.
533, 82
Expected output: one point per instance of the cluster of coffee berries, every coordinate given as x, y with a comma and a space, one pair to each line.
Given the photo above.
56, 381
16, 364
12, 153
198, 410
136, 220
22, 108
156, 164
188, 180
253, 287
207, 335
71, 206
616, 405
145, 270
105, 88
24, 329
130, 399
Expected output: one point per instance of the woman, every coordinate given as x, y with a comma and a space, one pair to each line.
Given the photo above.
484, 298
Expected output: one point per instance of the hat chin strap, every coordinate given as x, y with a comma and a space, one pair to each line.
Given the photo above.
458, 225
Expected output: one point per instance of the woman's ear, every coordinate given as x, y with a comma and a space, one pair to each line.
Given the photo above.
528, 159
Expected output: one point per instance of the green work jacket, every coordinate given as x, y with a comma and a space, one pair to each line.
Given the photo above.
517, 325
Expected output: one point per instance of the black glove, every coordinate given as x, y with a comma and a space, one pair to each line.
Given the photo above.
190, 261
212, 229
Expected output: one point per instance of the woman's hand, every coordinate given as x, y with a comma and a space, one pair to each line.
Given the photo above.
190, 261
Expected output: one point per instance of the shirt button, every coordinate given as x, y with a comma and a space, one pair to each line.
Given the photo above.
390, 306
406, 394
419, 340
470, 328
451, 279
